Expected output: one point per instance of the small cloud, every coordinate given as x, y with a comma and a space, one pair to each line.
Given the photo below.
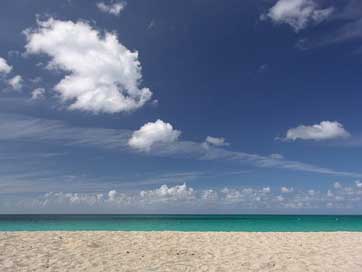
36, 80
150, 134
262, 68
358, 183
151, 25
277, 156
286, 190
326, 130
311, 192
16, 82
38, 93
216, 141
297, 13
14, 53
329, 193
111, 8
5, 68
155, 102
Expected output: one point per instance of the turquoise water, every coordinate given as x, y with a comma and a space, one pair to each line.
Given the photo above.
249, 223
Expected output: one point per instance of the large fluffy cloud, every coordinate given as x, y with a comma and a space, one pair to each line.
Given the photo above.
4, 66
150, 134
111, 8
102, 74
297, 13
326, 130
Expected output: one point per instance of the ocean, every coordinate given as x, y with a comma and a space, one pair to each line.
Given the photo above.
247, 223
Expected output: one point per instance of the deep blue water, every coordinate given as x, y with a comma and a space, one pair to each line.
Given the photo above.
250, 223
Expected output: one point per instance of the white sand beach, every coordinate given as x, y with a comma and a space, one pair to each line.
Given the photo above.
179, 251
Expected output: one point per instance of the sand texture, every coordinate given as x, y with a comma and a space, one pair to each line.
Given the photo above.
178, 251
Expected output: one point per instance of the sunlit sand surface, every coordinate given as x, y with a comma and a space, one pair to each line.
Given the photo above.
180, 251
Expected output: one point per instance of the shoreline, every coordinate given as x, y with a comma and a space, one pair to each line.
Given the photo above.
177, 231
179, 251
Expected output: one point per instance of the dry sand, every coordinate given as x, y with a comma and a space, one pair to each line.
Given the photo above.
178, 251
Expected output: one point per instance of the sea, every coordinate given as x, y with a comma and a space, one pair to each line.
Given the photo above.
187, 223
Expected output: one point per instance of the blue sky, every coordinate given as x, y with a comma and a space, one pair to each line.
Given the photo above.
188, 106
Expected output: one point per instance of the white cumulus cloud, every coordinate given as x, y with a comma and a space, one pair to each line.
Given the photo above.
326, 130
149, 134
102, 75
115, 197
111, 8
297, 13
4, 66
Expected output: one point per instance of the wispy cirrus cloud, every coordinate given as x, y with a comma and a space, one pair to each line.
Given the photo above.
347, 22
43, 130
19, 181
344, 20
298, 14
348, 32
15, 127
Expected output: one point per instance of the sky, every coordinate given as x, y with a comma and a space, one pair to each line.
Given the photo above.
180, 106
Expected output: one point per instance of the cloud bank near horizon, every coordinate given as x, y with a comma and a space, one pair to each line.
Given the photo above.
181, 198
